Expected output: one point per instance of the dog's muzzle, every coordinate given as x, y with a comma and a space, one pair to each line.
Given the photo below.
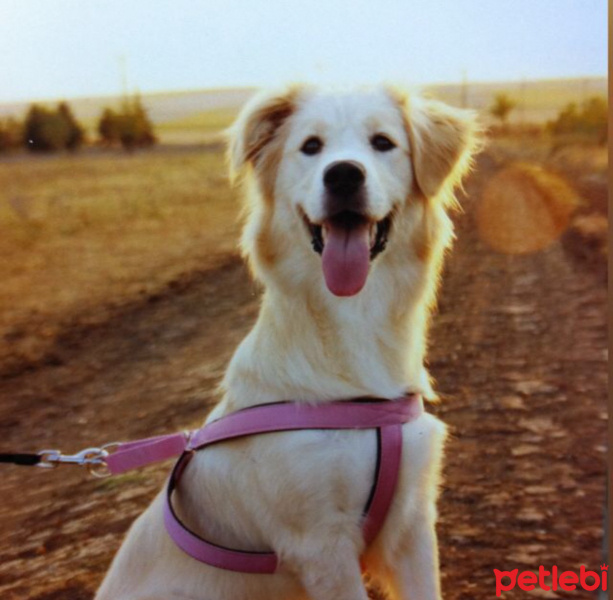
348, 238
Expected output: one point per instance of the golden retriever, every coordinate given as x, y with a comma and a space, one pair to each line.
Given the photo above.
346, 226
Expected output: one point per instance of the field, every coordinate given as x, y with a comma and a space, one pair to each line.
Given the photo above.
196, 128
85, 233
123, 298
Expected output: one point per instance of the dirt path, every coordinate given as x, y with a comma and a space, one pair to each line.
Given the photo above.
519, 352
520, 347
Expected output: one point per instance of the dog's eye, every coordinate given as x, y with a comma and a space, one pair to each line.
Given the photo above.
382, 143
311, 146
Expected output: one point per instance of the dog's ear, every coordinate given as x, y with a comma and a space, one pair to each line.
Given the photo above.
256, 127
443, 141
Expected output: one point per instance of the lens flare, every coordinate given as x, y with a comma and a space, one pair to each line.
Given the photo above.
524, 209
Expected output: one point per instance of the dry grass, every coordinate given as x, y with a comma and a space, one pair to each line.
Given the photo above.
85, 232
199, 127
581, 157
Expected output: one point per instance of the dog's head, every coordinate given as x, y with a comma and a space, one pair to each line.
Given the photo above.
343, 179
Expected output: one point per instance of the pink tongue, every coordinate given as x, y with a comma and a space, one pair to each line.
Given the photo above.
345, 258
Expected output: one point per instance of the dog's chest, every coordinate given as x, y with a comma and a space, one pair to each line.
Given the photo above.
245, 493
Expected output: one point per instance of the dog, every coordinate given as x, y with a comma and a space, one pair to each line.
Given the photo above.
346, 226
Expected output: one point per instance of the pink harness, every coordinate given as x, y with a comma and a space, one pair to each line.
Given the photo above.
386, 416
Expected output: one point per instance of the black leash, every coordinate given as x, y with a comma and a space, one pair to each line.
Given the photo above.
28, 460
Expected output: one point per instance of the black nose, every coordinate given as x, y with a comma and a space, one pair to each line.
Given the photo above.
344, 178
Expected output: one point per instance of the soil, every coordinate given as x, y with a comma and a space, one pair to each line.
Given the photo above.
518, 349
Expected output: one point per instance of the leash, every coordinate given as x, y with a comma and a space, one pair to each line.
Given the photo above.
386, 416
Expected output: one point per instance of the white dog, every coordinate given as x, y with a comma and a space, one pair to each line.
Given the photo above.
346, 228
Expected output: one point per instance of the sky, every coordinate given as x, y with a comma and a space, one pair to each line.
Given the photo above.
71, 48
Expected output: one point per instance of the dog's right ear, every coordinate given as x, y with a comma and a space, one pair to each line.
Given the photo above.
256, 127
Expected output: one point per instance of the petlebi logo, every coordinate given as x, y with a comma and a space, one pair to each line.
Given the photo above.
554, 580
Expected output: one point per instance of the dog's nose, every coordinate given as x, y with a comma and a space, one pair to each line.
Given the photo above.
344, 177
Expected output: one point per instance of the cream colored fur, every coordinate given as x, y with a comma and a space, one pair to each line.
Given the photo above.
302, 493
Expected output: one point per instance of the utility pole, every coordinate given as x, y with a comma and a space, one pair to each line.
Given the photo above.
522, 101
124, 78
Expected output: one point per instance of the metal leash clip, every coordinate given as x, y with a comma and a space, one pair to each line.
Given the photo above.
94, 459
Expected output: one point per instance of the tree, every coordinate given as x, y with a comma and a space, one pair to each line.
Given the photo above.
595, 117
47, 130
502, 107
590, 119
108, 127
75, 133
11, 135
568, 120
130, 126
43, 131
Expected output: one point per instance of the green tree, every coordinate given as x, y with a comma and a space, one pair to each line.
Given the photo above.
47, 130
11, 135
44, 131
595, 117
501, 107
108, 127
591, 119
76, 133
130, 126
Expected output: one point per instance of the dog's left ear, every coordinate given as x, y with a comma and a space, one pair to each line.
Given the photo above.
256, 127
443, 141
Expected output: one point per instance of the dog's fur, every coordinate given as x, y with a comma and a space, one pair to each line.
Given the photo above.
301, 494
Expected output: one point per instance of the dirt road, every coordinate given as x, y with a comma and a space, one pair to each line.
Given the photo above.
519, 352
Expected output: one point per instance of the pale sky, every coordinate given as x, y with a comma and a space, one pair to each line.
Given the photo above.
67, 48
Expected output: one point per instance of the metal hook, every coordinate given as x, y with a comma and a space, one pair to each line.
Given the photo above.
92, 458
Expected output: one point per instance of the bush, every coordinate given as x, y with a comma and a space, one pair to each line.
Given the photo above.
130, 127
48, 130
11, 134
591, 119
502, 107
108, 127
76, 133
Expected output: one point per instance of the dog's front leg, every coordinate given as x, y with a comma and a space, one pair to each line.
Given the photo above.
415, 572
334, 574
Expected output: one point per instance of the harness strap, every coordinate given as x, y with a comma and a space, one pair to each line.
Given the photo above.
386, 478
132, 455
386, 416
262, 419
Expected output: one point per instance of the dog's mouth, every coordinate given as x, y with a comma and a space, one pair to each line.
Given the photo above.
347, 242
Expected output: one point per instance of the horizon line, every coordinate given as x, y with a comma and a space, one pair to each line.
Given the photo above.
222, 88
